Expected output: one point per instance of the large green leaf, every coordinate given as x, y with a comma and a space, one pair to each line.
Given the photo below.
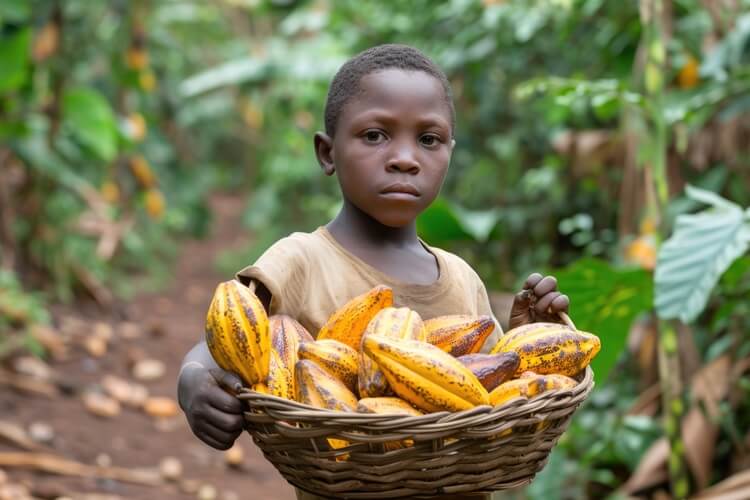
445, 222
439, 224
701, 248
89, 117
604, 300
14, 60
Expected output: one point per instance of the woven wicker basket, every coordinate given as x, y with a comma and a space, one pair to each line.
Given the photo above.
472, 451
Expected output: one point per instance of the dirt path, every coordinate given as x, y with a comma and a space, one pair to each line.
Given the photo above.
170, 323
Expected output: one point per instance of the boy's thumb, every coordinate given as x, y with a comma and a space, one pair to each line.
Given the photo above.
227, 380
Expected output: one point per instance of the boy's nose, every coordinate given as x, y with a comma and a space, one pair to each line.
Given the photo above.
403, 160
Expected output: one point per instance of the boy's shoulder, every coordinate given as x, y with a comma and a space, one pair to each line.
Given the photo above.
453, 262
301, 240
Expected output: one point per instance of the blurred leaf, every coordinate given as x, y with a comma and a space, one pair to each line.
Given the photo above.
444, 222
89, 117
738, 271
14, 54
701, 248
728, 54
439, 224
604, 301
229, 73
14, 11
478, 223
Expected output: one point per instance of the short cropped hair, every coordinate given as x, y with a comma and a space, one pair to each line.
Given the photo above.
346, 83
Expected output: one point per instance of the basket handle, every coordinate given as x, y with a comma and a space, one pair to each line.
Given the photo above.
564, 316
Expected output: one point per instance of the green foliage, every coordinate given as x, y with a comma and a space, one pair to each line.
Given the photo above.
231, 93
701, 248
89, 118
602, 445
19, 311
14, 52
604, 301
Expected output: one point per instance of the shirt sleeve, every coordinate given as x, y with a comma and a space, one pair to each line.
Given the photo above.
282, 269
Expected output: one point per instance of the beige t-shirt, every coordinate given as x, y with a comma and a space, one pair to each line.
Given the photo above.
310, 276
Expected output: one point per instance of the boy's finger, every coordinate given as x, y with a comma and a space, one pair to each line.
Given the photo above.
217, 439
224, 421
532, 281
543, 304
545, 286
561, 303
211, 442
225, 402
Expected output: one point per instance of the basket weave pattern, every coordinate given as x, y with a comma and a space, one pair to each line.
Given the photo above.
477, 450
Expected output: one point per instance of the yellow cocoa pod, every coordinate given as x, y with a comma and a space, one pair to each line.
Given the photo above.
155, 203
336, 444
555, 381
280, 380
348, 324
237, 332
554, 350
459, 334
512, 389
520, 332
316, 387
142, 171
387, 405
286, 336
391, 322
136, 58
491, 369
335, 357
424, 375
261, 387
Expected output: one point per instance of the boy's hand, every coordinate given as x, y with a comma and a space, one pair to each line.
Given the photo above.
214, 415
538, 301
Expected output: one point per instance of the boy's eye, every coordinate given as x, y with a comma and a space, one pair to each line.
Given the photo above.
374, 136
429, 140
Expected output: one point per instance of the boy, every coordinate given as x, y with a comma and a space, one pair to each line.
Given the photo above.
389, 123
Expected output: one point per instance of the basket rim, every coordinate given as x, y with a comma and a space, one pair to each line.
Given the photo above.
285, 409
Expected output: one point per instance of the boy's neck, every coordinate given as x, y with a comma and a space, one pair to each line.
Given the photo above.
354, 228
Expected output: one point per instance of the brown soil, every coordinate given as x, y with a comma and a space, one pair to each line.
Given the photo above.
172, 323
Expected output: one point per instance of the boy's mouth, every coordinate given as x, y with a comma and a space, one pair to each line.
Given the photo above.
401, 188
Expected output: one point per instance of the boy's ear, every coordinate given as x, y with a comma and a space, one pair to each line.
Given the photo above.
324, 152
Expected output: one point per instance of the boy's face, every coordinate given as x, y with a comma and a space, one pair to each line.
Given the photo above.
392, 146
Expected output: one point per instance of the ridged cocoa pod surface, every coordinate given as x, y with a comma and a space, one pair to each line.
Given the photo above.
316, 387
491, 369
559, 350
348, 323
387, 405
424, 375
286, 336
459, 334
520, 332
391, 322
237, 332
335, 357
520, 387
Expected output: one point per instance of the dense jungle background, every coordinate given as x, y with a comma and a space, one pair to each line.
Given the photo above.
149, 149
